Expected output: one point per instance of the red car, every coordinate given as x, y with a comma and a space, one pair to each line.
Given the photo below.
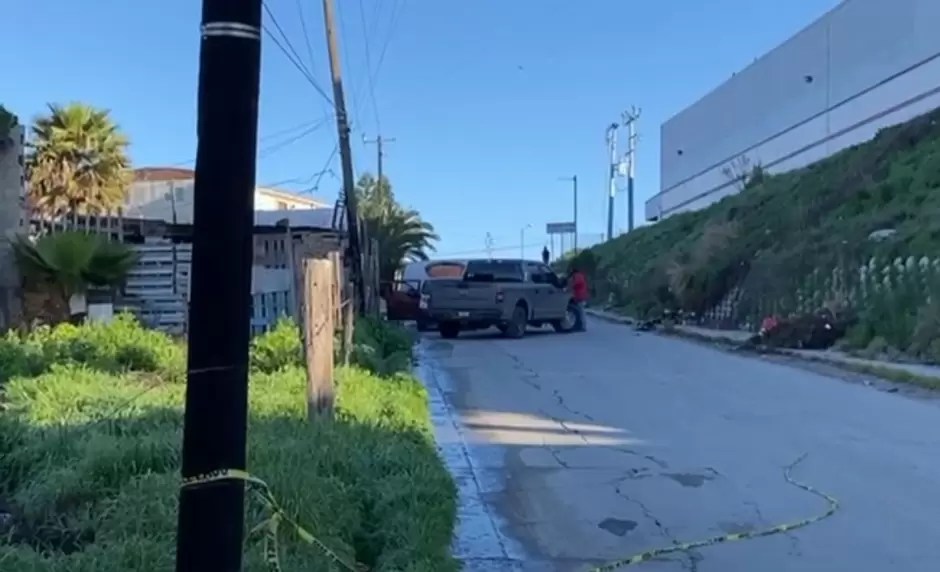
404, 299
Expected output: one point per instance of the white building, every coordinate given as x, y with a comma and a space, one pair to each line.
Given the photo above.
159, 191
864, 65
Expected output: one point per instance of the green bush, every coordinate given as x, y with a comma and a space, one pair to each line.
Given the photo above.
90, 466
278, 348
380, 346
120, 345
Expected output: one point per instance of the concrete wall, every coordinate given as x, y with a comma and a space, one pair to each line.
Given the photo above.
150, 200
865, 65
12, 198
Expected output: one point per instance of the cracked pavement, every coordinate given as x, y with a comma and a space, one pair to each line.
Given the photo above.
579, 449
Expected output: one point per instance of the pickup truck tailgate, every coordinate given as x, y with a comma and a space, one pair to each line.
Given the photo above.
461, 295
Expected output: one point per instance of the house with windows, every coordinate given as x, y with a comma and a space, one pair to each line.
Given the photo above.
166, 193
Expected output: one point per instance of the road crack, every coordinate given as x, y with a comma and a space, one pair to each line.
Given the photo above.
795, 548
690, 559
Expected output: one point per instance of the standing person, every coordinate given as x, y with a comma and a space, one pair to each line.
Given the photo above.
546, 255
579, 291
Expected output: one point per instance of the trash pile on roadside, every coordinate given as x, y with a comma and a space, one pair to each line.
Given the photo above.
810, 331
817, 330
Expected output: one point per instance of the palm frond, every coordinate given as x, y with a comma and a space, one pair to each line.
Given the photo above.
77, 160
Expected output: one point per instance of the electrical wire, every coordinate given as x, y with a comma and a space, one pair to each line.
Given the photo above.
326, 169
397, 11
308, 126
303, 27
516, 247
277, 147
290, 52
353, 86
369, 77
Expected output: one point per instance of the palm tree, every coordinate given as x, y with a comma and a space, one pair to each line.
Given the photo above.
68, 263
77, 161
402, 235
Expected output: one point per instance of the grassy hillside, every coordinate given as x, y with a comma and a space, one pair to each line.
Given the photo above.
798, 239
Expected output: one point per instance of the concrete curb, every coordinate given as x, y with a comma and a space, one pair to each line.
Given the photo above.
479, 542
892, 372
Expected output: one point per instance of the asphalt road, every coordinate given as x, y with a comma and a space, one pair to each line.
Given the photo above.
577, 449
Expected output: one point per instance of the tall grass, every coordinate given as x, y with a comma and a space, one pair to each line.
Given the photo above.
89, 459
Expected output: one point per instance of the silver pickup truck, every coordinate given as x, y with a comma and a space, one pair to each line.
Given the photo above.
508, 294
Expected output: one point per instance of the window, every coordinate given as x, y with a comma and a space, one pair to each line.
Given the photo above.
541, 274
493, 271
444, 269
281, 206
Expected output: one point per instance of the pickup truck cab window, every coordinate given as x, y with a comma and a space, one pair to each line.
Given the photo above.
493, 271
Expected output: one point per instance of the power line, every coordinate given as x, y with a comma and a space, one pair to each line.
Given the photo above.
326, 169
277, 147
303, 27
290, 52
288, 130
396, 14
308, 126
488, 250
372, 74
353, 86
369, 78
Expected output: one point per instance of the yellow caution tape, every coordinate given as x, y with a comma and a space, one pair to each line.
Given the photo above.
778, 529
269, 527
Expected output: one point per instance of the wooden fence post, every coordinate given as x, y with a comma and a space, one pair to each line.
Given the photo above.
348, 324
318, 335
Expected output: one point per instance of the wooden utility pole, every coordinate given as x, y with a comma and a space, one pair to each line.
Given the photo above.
343, 308
349, 184
319, 312
379, 142
211, 515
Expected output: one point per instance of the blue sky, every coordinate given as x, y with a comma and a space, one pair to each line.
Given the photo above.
490, 101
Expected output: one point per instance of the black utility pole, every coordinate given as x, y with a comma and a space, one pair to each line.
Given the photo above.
211, 516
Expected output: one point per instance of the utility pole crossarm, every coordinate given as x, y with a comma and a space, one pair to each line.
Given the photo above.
379, 142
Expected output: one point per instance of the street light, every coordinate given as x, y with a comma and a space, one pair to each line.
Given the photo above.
522, 240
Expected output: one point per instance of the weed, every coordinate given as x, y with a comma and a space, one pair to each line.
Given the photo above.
90, 458
788, 242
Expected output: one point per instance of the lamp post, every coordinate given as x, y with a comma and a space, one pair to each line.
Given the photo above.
522, 240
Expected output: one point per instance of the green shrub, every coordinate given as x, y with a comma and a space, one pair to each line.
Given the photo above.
120, 345
381, 346
278, 348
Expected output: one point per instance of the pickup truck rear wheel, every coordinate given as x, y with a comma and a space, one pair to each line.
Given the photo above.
449, 330
517, 324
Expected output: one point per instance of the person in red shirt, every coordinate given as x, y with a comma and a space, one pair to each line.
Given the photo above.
579, 291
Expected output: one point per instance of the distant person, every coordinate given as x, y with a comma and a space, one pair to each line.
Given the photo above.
546, 255
579, 291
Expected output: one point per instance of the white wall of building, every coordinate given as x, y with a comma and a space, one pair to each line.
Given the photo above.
865, 65
152, 200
